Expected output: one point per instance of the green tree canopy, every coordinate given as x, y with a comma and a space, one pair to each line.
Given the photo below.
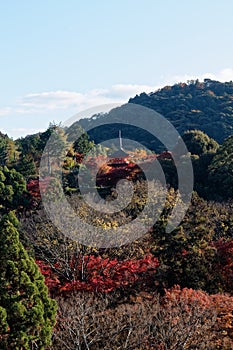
221, 171
26, 166
8, 151
83, 144
31, 147
197, 142
12, 189
186, 255
27, 314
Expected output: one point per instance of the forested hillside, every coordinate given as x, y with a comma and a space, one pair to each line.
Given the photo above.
164, 290
206, 106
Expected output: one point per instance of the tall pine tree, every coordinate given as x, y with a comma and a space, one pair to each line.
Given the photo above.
27, 314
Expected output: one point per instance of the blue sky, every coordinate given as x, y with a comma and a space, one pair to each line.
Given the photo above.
60, 57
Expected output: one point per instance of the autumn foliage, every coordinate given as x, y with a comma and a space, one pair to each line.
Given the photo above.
35, 186
225, 262
180, 319
94, 273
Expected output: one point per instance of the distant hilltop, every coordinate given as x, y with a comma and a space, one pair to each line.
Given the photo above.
206, 106
195, 105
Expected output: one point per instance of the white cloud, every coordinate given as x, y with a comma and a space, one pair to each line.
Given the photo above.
25, 131
53, 100
43, 102
66, 102
5, 111
223, 76
130, 90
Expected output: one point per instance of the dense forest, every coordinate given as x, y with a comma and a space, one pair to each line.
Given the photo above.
163, 290
206, 106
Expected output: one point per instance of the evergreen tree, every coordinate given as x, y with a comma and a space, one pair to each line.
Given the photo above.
83, 144
27, 314
8, 151
53, 145
80, 139
26, 166
30, 146
12, 190
186, 255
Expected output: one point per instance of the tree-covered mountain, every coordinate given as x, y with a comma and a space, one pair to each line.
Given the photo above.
202, 113
206, 106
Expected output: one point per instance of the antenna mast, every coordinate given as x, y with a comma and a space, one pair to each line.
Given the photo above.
120, 140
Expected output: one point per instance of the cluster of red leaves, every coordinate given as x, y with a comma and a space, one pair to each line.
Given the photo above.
106, 175
33, 188
222, 304
36, 186
187, 295
225, 262
109, 175
79, 157
94, 273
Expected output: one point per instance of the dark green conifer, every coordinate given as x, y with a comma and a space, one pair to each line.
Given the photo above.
27, 313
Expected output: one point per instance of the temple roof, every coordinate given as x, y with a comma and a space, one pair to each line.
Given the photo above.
120, 153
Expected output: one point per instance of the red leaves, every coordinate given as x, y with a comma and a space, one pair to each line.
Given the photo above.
79, 157
225, 262
35, 186
101, 274
188, 296
197, 301
51, 280
184, 252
